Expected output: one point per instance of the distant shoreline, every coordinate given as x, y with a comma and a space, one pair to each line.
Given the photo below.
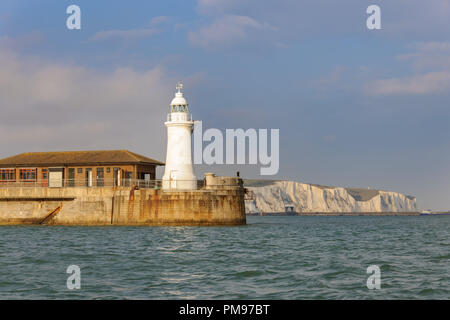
333, 214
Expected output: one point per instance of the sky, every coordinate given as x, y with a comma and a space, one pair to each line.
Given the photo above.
355, 107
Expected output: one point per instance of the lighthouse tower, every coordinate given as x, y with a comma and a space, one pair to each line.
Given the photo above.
179, 171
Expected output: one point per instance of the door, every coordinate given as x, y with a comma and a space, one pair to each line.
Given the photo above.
88, 177
117, 177
55, 177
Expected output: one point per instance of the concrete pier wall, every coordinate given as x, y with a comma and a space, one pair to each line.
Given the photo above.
121, 206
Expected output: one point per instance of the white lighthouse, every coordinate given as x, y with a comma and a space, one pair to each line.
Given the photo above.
179, 171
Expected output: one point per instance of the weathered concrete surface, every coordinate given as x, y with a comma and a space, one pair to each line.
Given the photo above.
121, 206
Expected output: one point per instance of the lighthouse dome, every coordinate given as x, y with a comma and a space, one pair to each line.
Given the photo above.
179, 100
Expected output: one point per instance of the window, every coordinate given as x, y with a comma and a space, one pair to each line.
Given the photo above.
7, 174
45, 177
80, 170
117, 176
100, 177
108, 170
27, 174
179, 108
71, 177
128, 177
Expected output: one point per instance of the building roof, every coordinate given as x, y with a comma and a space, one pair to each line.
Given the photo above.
76, 158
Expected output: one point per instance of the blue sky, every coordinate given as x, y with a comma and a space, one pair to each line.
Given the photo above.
355, 107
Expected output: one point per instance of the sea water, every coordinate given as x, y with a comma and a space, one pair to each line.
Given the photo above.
269, 258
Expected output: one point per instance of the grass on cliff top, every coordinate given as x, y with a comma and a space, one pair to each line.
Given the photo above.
359, 194
258, 183
263, 183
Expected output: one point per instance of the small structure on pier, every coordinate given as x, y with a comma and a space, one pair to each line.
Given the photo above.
77, 168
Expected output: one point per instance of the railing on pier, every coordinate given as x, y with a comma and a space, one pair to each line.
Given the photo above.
71, 183
98, 183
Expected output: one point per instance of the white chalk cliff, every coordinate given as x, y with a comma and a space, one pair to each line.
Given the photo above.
282, 196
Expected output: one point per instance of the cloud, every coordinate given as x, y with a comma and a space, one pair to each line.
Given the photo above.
332, 78
433, 46
159, 20
54, 106
296, 20
429, 83
417, 18
329, 138
152, 30
68, 134
22, 41
428, 56
220, 6
28, 82
431, 63
226, 31
124, 34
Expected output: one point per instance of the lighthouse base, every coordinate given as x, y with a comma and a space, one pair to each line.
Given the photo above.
180, 185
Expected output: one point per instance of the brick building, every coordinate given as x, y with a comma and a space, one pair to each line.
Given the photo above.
77, 168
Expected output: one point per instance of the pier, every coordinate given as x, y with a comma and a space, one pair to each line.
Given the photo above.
217, 201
